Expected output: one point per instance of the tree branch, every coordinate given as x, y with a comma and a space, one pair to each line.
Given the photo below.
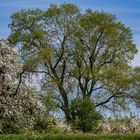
19, 83
106, 101
62, 53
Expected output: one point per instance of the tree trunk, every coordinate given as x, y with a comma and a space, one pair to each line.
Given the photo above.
66, 104
67, 114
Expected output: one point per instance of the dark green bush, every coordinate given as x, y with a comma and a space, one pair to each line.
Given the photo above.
41, 124
8, 126
84, 115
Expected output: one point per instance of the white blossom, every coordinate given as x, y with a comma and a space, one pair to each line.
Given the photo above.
22, 107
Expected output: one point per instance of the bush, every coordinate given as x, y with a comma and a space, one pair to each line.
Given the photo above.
9, 126
44, 124
84, 115
41, 124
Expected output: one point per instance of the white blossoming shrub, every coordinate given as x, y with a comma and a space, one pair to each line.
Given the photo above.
9, 61
126, 125
18, 112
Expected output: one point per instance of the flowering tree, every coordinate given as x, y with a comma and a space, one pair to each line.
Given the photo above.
19, 106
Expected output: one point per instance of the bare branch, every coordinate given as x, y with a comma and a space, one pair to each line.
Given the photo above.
43, 72
106, 101
62, 53
19, 83
98, 88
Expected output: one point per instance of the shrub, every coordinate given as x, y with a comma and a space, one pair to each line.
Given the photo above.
84, 115
9, 126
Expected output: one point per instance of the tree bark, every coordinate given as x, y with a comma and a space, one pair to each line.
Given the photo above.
66, 104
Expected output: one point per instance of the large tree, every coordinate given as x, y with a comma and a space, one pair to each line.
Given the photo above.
84, 53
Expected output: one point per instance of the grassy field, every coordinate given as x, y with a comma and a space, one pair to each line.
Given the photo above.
67, 137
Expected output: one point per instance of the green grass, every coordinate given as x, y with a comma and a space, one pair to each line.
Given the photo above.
67, 137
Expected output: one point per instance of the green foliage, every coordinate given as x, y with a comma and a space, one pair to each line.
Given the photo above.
45, 122
136, 85
9, 126
41, 124
49, 102
84, 115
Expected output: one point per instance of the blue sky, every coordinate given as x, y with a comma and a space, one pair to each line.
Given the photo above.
128, 11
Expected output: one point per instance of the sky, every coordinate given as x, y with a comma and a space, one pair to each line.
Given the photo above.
128, 11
